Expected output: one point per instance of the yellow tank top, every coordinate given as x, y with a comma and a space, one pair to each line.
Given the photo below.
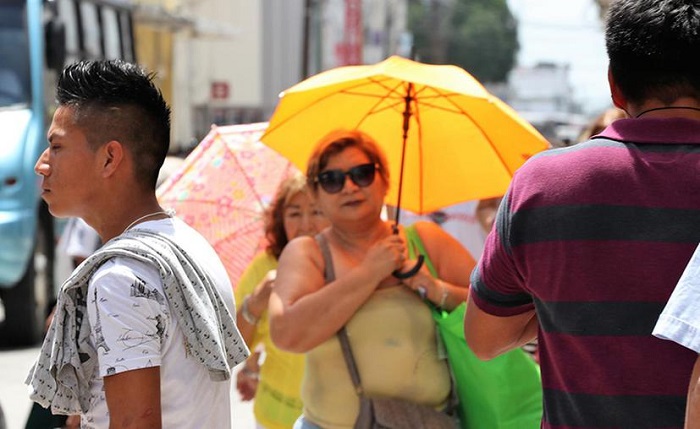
278, 398
393, 339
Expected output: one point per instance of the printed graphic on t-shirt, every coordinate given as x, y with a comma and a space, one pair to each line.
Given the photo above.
140, 290
122, 346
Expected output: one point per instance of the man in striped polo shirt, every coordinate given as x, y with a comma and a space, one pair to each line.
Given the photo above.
590, 240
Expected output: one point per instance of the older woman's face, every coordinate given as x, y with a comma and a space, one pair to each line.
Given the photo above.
302, 216
352, 197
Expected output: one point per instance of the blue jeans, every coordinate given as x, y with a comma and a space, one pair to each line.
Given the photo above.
302, 423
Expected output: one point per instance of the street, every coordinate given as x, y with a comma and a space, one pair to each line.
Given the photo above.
15, 364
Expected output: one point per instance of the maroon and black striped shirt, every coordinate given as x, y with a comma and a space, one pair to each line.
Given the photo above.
595, 237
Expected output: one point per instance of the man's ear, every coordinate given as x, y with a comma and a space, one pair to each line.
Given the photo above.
112, 157
619, 100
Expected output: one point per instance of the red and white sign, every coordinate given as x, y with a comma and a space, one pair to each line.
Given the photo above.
349, 52
219, 90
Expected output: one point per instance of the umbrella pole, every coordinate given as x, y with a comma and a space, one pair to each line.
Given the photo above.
406, 124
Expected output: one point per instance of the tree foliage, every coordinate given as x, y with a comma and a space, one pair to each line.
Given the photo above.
478, 35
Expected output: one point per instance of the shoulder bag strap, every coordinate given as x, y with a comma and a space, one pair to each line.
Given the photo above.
329, 276
328, 270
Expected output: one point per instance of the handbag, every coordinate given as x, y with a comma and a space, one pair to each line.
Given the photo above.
502, 393
390, 413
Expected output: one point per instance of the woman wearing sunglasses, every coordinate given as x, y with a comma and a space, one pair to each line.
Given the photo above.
390, 327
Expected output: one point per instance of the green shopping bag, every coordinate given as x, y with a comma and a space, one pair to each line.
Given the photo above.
503, 393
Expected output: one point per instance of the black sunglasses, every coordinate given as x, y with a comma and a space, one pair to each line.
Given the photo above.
333, 181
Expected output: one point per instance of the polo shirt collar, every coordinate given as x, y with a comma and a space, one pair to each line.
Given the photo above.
654, 130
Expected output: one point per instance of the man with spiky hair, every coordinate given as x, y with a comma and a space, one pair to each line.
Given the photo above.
143, 334
590, 240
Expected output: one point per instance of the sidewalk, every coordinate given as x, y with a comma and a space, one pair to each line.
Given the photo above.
16, 404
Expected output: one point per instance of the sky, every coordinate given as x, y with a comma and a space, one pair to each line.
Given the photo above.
566, 32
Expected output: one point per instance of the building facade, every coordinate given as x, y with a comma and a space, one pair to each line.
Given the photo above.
232, 58
543, 95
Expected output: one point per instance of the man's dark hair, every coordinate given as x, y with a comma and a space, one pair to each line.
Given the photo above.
116, 100
654, 48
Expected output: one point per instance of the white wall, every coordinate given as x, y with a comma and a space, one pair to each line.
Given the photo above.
282, 34
255, 46
224, 46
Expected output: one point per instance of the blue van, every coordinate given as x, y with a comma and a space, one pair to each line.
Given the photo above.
37, 38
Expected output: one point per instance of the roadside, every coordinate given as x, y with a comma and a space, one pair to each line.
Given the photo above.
15, 364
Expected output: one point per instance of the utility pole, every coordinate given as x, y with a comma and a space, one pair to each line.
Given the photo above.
437, 29
306, 34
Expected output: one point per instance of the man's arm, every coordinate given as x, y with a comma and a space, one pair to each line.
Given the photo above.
692, 411
489, 336
133, 399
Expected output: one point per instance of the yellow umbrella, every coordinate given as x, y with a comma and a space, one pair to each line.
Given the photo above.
454, 140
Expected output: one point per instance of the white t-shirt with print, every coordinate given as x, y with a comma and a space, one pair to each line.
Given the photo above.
133, 327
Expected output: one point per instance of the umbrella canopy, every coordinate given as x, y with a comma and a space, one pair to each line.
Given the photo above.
223, 188
461, 143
